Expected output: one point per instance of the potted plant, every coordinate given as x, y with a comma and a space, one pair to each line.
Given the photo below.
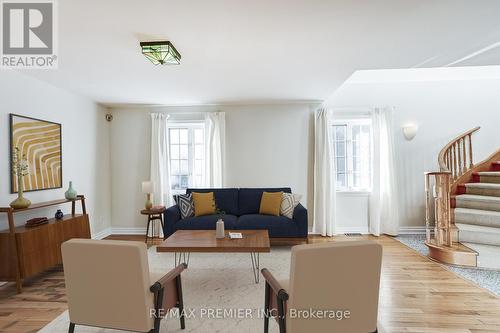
19, 170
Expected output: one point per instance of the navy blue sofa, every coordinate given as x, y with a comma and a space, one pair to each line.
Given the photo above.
242, 212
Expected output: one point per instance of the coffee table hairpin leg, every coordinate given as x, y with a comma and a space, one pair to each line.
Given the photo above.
255, 265
181, 258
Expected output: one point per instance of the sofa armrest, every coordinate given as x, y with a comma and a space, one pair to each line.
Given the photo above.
300, 217
171, 216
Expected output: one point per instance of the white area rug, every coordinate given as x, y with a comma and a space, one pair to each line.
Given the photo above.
212, 281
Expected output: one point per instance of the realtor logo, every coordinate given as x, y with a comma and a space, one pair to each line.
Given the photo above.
28, 34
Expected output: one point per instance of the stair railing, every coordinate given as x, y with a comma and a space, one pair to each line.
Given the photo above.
455, 159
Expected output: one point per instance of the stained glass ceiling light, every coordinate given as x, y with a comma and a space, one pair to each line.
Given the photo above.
161, 53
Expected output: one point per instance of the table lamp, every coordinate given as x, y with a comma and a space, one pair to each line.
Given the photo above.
147, 188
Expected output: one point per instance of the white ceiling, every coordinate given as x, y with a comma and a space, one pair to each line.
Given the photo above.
424, 75
255, 51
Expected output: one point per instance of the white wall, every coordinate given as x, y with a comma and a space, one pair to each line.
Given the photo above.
85, 145
270, 146
266, 145
442, 109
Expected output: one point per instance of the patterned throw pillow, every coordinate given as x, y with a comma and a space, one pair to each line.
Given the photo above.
288, 203
186, 205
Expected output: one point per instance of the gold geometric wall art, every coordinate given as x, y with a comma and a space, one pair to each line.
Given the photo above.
39, 142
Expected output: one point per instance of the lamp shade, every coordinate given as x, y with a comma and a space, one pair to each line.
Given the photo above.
147, 187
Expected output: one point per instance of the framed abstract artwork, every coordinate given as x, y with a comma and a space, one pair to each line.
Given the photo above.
40, 144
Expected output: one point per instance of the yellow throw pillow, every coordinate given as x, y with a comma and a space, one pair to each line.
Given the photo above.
270, 203
204, 203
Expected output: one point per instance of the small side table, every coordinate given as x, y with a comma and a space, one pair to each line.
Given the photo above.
154, 214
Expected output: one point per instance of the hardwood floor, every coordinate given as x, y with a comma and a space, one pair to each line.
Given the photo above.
42, 300
417, 295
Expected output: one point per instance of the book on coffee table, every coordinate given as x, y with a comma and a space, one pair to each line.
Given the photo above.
235, 235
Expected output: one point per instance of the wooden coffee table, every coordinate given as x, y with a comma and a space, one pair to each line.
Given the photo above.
183, 242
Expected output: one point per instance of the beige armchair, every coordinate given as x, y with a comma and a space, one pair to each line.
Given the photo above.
109, 285
333, 287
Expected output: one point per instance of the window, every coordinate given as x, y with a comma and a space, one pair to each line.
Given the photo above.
353, 155
187, 155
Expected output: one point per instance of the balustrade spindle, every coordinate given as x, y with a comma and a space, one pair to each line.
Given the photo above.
459, 160
465, 156
454, 168
449, 160
471, 164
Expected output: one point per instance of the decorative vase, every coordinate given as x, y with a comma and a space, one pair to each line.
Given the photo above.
21, 202
59, 214
70, 194
219, 230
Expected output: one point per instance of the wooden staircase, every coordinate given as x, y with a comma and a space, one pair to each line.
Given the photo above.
463, 207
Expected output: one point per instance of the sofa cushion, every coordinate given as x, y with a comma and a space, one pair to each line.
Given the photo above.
206, 222
249, 198
278, 226
226, 199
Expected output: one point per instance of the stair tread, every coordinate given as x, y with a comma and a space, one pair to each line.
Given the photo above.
489, 173
472, 246
477, 197
477, 211
477, 228
456, 247
483, 185
476, 234
487, 254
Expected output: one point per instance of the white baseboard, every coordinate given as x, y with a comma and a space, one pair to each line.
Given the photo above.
102, 234
352, 230
411, 230
364, 230
128, 230
119, 231
347, 230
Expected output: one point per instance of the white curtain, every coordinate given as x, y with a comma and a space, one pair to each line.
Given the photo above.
384, 218
160, 166
324, 175
215, 143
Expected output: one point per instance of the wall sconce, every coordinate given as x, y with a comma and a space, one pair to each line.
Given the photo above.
410, 131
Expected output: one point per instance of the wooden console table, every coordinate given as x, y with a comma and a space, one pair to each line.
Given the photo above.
25, 252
